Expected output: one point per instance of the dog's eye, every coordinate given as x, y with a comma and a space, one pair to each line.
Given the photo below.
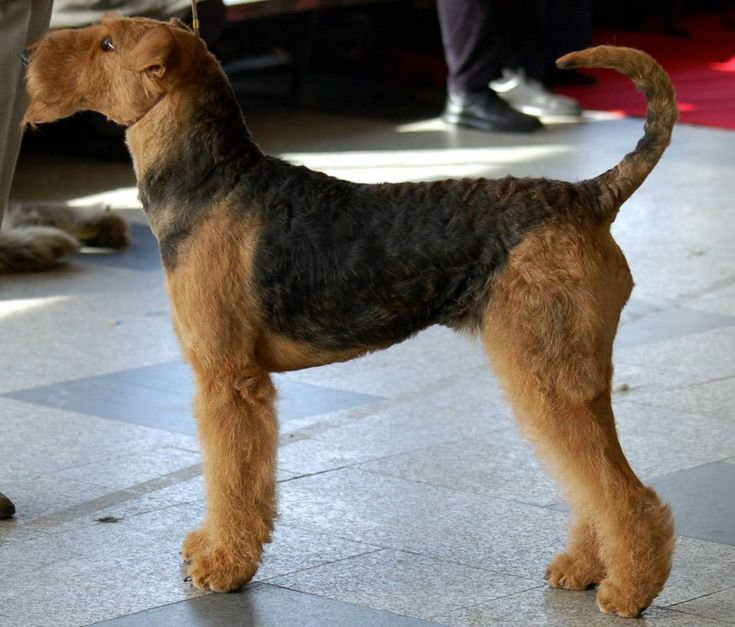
107, 44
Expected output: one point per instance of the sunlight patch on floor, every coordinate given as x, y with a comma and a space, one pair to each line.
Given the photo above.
13, 307
401, 165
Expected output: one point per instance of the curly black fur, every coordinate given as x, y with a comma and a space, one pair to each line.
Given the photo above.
342, 265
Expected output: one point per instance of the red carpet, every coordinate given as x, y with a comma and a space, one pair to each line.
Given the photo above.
701, 66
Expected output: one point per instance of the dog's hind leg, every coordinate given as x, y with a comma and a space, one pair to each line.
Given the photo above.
549, 330
239, 435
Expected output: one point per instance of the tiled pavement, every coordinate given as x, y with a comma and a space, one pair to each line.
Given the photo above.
407, 496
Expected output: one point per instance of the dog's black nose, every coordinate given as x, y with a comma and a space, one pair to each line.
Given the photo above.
25, 56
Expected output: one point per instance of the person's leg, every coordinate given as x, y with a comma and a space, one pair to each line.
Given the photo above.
470, 49
522, 29
21, 23
568, 28
472, 52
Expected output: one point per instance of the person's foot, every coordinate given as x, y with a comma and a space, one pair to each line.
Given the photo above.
7, 509
485, 111
531, 97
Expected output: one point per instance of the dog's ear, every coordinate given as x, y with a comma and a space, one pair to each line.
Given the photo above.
175, 22
154, 53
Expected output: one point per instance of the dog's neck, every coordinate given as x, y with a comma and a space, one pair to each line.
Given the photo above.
182, 142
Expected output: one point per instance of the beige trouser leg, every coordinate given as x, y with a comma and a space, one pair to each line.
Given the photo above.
22, 22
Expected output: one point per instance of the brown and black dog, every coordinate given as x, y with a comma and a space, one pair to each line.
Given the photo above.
273, 267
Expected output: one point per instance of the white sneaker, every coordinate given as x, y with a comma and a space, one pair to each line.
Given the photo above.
531, 97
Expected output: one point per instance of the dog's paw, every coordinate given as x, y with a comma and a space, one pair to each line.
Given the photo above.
622, 601
217, 567
573, 573
194, 543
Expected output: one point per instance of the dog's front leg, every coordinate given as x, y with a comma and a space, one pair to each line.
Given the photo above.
239, 434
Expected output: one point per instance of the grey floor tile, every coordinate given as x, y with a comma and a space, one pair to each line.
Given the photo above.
549, 607
435, 417
160, 396
703, 501
297, 399
500, 464
12, 531
35, 439
83, 335
468, 529
183, 487
109, 396
393, 380
95, 573
404, 583
720, 300
475, 392
124, 471
709, 354
720, 605
285, 475
414, 365
43, 495
658, 441
295, 549
309, 456
263, 605
663, 323
700, 568
631, 381
712, 398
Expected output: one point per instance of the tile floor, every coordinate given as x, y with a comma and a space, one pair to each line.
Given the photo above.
407, 496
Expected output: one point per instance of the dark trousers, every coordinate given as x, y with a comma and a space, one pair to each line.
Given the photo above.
481, 37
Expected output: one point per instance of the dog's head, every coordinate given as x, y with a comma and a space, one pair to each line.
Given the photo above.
120, 68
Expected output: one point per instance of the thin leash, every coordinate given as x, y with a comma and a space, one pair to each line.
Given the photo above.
194, 17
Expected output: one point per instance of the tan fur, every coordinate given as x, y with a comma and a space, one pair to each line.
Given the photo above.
210, 293
549, 327
279, 354
549, 331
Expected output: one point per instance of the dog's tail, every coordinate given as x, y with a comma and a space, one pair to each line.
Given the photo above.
662, 113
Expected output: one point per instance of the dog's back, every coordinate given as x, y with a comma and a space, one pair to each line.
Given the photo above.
340, 264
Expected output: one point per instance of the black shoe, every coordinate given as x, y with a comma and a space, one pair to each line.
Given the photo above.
486, 111
7, 509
